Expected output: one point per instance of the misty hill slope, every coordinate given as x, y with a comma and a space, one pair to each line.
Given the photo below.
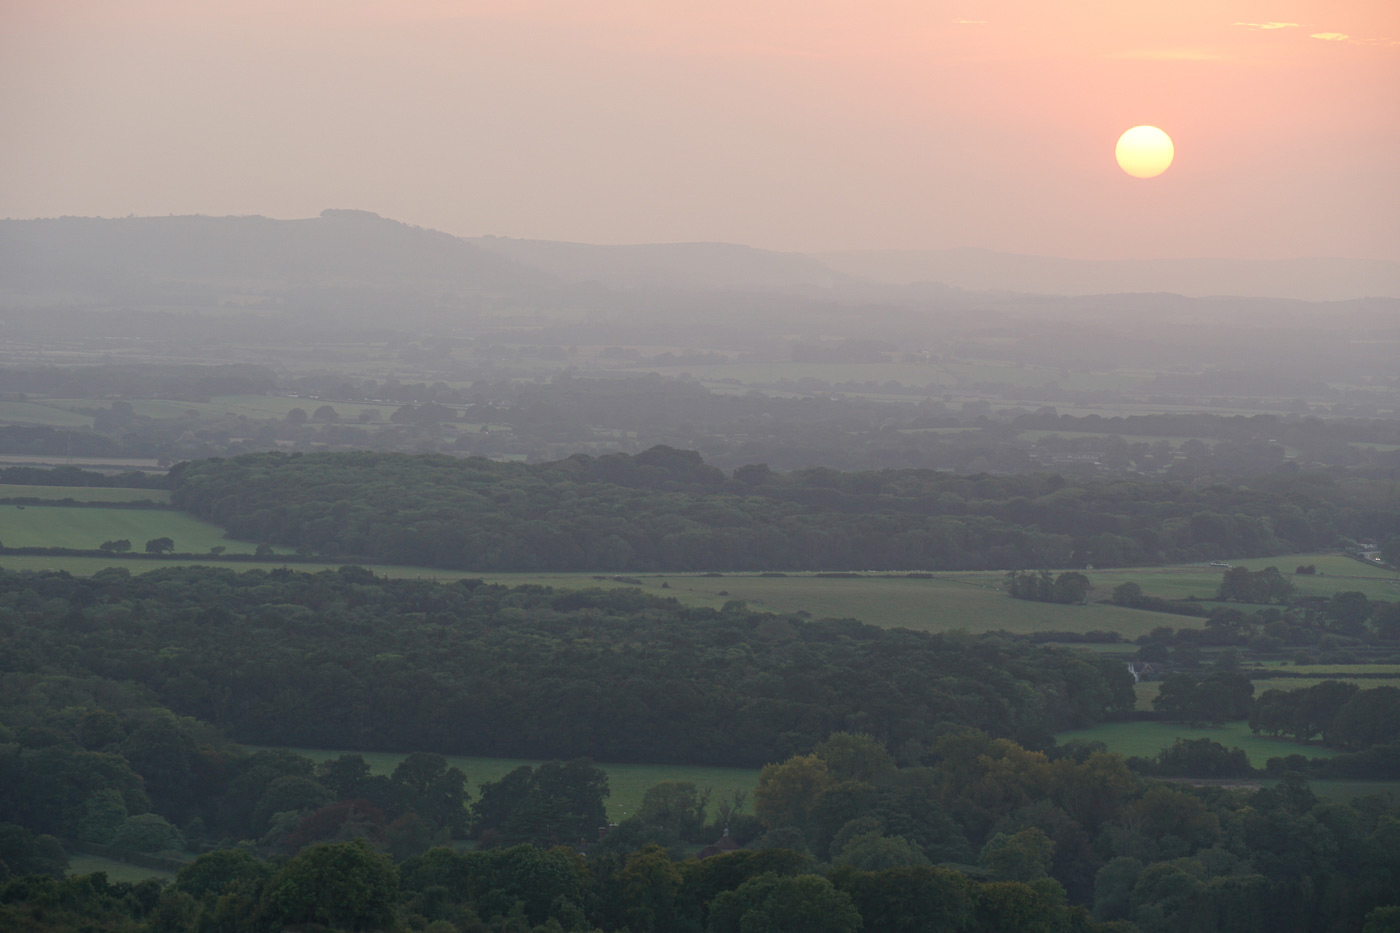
204, 261
722, 266
336, 248
1314, 279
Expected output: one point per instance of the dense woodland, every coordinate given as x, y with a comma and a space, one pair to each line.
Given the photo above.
666, 509
899, 793
336, 660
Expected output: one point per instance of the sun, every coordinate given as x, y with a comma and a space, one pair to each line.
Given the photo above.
1144, 152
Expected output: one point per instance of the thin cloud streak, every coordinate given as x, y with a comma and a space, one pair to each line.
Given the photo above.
1270, 25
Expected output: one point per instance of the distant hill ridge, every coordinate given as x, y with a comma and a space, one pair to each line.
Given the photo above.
339, 246
1308, 279
349, 247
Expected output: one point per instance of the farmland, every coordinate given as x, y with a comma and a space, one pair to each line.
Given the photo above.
1335, 573
83, 493
1145, 739
86, 528
972, 602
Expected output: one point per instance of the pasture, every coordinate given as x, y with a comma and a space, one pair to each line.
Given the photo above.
1335, 573
1146, 739
87, 566
68, 527
42, 414
1147, 690
626, 782
969, 602
83, 493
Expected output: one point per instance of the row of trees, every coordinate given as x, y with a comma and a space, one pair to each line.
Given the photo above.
284, 658
666, 509
163, 545
976, 835
1069, 587
1342, 715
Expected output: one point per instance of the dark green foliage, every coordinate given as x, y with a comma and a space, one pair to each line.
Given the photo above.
910, 900
1255, 586
341, 659
148, 832
23, 853
544, 883
347, 886
213, 872
552, 804
1341, 714
784, 904
1068, 587
1217, 697
666, 509
1202, 758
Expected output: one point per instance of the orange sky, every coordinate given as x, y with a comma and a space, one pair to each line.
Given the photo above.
790, 124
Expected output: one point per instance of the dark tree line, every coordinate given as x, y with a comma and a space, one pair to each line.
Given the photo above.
349, 660
666, 509
1066, 588
974, 835
1339, 714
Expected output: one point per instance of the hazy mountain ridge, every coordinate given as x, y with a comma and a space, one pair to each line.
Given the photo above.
668, 265
348, 247
336, 248
1309, 279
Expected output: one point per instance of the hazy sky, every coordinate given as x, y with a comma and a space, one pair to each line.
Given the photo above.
788, 124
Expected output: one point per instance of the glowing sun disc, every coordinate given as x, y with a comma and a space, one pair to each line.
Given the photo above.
1144, 151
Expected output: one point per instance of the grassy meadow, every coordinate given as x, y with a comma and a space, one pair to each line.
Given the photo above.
42, 414
626, 782
970, 602
1335, 573
83, 493
1146, 739
66, 527
87, 566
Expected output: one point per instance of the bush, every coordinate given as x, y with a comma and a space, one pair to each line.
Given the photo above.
148, 832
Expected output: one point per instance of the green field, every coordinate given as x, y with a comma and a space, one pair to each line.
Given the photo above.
1339, 670
626, 782
87, 566
83, 493
1146, 739
1335, 573
949, 601
926, 605
972, 602
1301, 683
82, 864
57, 526
38, 413
1328, 564
1148, 690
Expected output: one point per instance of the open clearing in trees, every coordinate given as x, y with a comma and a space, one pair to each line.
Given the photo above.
87, 528
626, 782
